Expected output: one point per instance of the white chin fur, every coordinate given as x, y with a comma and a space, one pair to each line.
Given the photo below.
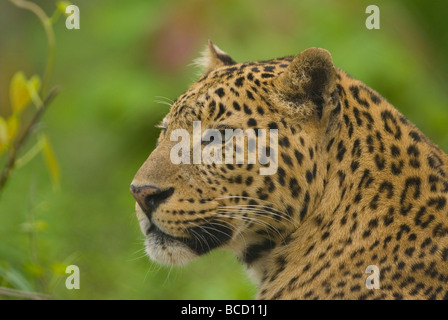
163, 252
169, 254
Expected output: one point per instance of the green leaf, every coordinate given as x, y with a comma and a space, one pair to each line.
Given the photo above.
40, 225
59, 268
30, 154
50, 160
15, 278
34, 269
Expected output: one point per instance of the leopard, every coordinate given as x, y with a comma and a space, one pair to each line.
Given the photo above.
356, 209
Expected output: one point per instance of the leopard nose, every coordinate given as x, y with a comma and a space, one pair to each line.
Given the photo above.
150, 197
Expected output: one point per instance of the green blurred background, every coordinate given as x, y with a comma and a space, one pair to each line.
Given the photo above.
128, 55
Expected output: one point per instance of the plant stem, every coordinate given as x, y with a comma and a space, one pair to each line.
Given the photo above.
12, 156
23, 294
47, 23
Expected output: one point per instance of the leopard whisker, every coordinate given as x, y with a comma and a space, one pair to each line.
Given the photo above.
165, 98
163, 102
277, 213
222, 223
270, 229
204, 228
245, 198
139, 252
254, 219
270, 204
201, 239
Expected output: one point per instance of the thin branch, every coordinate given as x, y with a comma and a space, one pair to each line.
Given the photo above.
12, 156
47, 23
23, 294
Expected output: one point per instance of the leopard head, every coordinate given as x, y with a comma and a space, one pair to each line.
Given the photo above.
200, 189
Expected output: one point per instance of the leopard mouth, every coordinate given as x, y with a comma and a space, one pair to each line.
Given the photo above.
200, 239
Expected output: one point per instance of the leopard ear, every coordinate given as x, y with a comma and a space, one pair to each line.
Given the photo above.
213, 57
308, 83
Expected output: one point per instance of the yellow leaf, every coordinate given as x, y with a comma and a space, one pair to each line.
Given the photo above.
12, 125
62, 5
33, 88
59, 268
50, 160
19, 92
8, 130
4, 137
40, 225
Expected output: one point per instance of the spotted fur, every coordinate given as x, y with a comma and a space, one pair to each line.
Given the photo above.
357, 185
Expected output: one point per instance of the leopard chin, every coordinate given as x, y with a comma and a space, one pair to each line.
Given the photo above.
165, 250
188, 243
